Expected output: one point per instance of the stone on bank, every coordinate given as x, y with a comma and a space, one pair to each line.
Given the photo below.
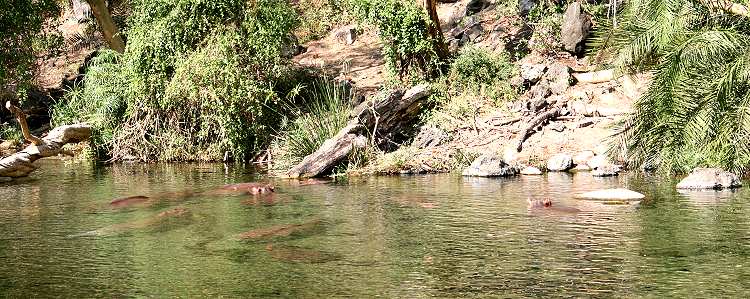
710, 178
490, 165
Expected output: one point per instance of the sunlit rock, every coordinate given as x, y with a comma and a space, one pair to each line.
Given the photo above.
612, 194
490, 165
531, 170
710, 178
560, 162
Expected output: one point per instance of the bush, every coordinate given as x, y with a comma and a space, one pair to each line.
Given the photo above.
318, 17
403, 28
481, 71
198, 78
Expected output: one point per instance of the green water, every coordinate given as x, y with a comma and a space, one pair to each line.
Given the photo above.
405, 237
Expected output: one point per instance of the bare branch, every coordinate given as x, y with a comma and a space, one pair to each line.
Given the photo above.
22, 121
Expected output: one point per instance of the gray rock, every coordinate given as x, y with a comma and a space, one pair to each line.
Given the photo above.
526, 6
291, 47
474, 32
606, 170
575, 28
560, 162
346, 35
539, 91
490, 165
612, 194
531, 170
581, 168
710, 178
475, 6
532, 72
454, 45
559, 77
430, 136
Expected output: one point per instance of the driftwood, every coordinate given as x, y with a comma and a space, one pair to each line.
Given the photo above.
380, 119
595, 77
21, 164
533, 123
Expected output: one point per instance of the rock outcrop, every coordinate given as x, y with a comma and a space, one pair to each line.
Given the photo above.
531, 170
710, 178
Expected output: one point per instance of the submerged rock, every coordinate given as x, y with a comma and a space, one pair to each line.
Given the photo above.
531, 170
560, 162
612, 194
710, 178
490, 165
598, 161
581, 168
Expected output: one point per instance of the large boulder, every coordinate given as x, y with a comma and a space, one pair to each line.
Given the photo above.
575, 28
560, 162
490, 165
710, 178
611, 194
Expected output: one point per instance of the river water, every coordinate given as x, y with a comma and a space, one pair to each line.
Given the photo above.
396, 237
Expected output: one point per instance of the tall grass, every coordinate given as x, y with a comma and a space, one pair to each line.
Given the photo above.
322, 112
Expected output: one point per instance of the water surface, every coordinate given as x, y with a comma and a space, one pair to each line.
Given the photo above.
407, 237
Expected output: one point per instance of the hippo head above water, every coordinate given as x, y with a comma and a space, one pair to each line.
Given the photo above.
539, 203
251, 188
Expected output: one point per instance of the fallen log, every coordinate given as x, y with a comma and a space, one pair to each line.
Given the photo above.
595, 77
533, 123
21, 164
380, 119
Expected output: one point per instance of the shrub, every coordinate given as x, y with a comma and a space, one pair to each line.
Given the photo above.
198, 79
403, 28
479, 70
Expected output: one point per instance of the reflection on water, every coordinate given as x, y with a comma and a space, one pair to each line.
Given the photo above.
421, 236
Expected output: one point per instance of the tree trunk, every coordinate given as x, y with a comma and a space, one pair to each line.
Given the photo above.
434, 29
21, 164
109, 28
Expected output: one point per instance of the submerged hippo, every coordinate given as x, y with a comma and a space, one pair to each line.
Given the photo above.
129, 201
289, 253
547, 206
281, 230
162, 218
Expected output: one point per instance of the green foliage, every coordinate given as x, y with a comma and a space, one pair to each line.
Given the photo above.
318, 17
10, 132
696, 111
323, 112
198, 78
479, 70
403, 28
20, 23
